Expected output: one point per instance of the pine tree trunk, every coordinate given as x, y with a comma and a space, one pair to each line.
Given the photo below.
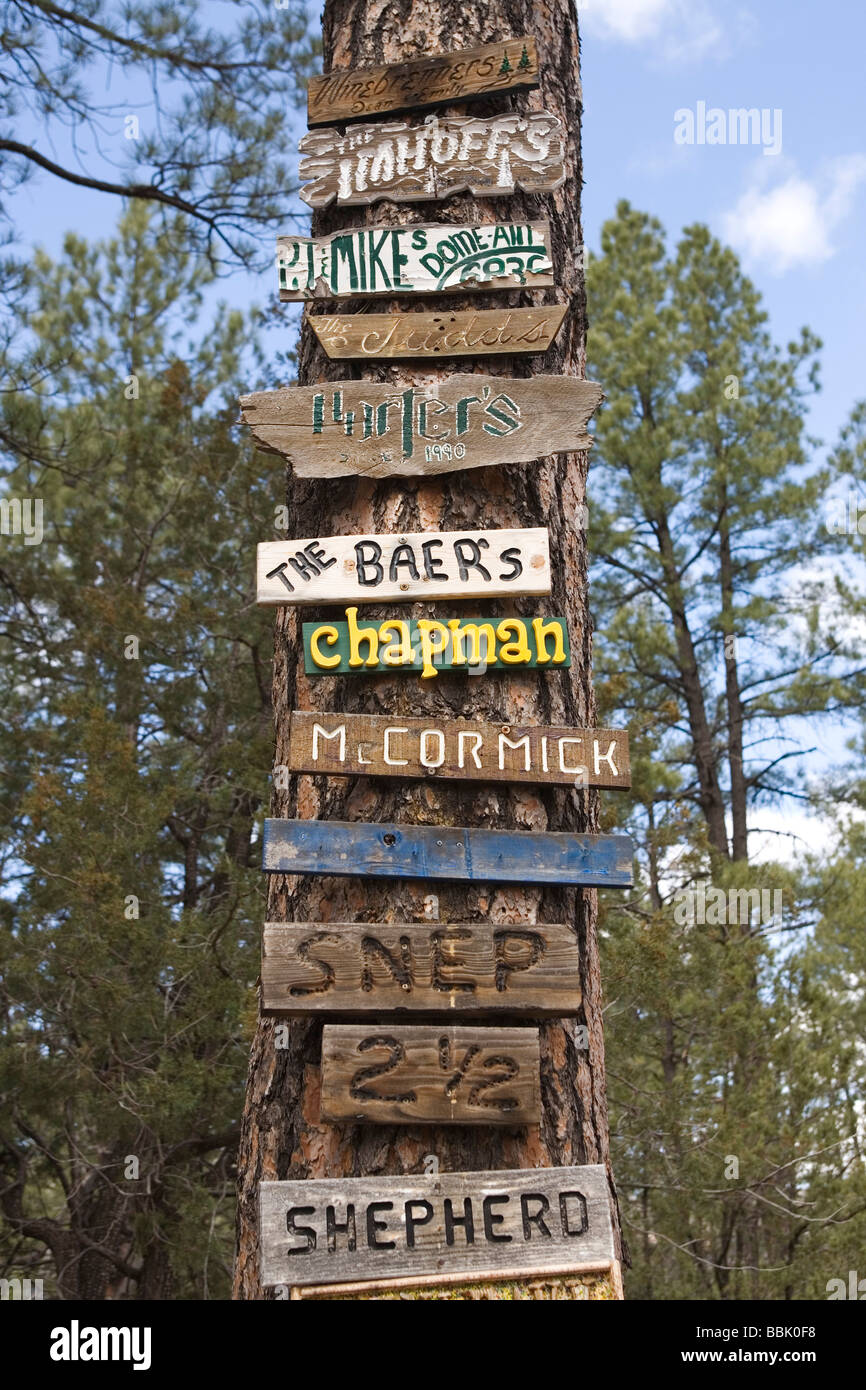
282, 1136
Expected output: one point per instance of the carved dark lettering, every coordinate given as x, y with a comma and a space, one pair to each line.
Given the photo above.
403, 557
304, 947
368, 563
509, 1070
468, 554
492, 1218
534, 1218
399, 970
579, 1198
437, 940
511, 556
432, 563
396, 1054
466, 1221
412, 1220
506, 966
373, 1226
295, 1230
334, 1228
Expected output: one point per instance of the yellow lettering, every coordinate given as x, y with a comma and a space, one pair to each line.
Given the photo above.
398, 652
514, 653
434, 640
357, 635
544, 630
474, 631
327, 633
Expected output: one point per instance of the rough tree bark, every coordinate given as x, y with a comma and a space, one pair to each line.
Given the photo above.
282, 1136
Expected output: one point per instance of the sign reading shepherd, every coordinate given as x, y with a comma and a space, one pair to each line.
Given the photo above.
414, 260
488, 156
508, 66
378, 745
463, 421
335, 1230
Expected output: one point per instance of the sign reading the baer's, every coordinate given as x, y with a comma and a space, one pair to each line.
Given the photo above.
426, 565
430, 1074
463, 421
466, 969
415, 260
506, 66
434, 851
447, 154
377, 745
428, 646
376, 337
335, 1230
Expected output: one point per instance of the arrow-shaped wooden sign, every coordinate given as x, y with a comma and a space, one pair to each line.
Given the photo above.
379, 431
442, 852
446, 154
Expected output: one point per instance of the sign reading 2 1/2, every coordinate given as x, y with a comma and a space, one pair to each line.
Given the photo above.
464, 421
427, 565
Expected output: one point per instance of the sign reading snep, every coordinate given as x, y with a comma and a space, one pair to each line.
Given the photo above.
335, 1230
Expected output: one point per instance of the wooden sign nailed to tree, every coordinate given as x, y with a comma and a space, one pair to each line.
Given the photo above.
433, 1074
508, 66
484, 332
424, 565
490, 156
463, 421
335, 1230
469, 969
446, 852
424, 259
428, 646
379, 745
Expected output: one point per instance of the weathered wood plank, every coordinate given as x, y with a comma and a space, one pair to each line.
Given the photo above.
463, 421
433, 1074
507, 66
428, 645
430, 851
472, 332
379, 745
418, 565
585, 1283
423, 259
336, 1230
466, 969
490, 156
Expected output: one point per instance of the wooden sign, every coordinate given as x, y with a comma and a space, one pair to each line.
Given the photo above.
434, 1074
506, 66
582, 1283
426, 645
454, 334
423, 259
485, 155
469, 969
466, 750
463, 421
422, 565
334, 1230
431, 851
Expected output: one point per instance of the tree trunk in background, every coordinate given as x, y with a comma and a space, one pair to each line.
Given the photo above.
282, 1136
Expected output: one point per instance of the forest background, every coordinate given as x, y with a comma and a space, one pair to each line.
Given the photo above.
727, 590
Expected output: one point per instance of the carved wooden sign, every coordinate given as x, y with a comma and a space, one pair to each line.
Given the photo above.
463, 421
379, 745
424, 565
423, 259
507, 66
438, 1074
374, 337
336, 1230
485, 155
467, 969
428, 646
446, 852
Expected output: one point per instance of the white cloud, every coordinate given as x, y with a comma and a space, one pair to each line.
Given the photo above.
789, 223
678, 29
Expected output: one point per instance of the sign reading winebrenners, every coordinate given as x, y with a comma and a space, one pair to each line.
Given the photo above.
464, 421
420, 565
336, 1230
430, 1074
415, 260
379, 745
490, 156
467, 969
456, 334
507, 66
427, 646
